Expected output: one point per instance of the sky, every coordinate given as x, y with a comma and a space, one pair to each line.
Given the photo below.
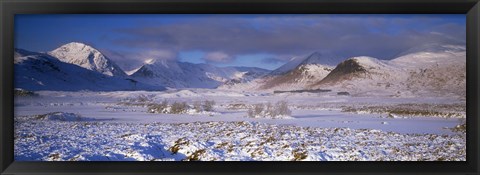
266, 41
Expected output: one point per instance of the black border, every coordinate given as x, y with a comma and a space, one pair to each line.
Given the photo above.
10, 7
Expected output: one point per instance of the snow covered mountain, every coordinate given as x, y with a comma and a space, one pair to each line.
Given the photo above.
87, 57
245, 75
154, 74
175, 74
436, 70
429, 71
39, 71
294, 75
314, 58
357, 67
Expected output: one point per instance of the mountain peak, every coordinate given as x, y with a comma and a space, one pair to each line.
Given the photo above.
367, 61
354, 67
77, 46
149, 61
316, 57
87, 57
320, 58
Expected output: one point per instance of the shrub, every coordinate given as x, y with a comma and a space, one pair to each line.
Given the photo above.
195, 156
208, 105
164, 103
299, 154
460, 128
237, 106
269, 111
197, 106
143, 98
24, 93
282, 109
158, 108
250, 112
258, 110
176, 147
178, 108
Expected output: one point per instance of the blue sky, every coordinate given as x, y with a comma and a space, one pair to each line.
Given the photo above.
266, 41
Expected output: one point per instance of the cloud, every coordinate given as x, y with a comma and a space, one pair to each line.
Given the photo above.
346, 36
129, 60
160, 54
271, 60
218, 57
125, 60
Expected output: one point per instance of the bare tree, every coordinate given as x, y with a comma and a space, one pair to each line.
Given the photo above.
208, 105
269, 110
282, 109
158, 108
178, 108
197, 106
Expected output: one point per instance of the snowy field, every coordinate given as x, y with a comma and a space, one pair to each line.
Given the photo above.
119, 126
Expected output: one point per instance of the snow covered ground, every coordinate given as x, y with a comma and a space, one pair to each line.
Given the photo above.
323, 126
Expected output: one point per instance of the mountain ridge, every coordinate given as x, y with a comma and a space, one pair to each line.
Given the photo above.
293, 75
433, 72
40, 71
436, 70
179, 74
433, 69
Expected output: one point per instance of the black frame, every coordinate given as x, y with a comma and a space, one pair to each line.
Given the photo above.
9, 8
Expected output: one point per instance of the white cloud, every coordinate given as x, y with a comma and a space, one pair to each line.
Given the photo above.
160, 55
219, 57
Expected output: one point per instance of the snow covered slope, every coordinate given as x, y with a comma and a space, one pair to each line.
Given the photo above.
239, 75
296, 74
357, 67
362, 75
175, 74
87, 57
437, 71
432, 55
314, 58
38, 71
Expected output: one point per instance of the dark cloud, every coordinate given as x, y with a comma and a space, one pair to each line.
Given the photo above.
124, 59
224, 38
129, 60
